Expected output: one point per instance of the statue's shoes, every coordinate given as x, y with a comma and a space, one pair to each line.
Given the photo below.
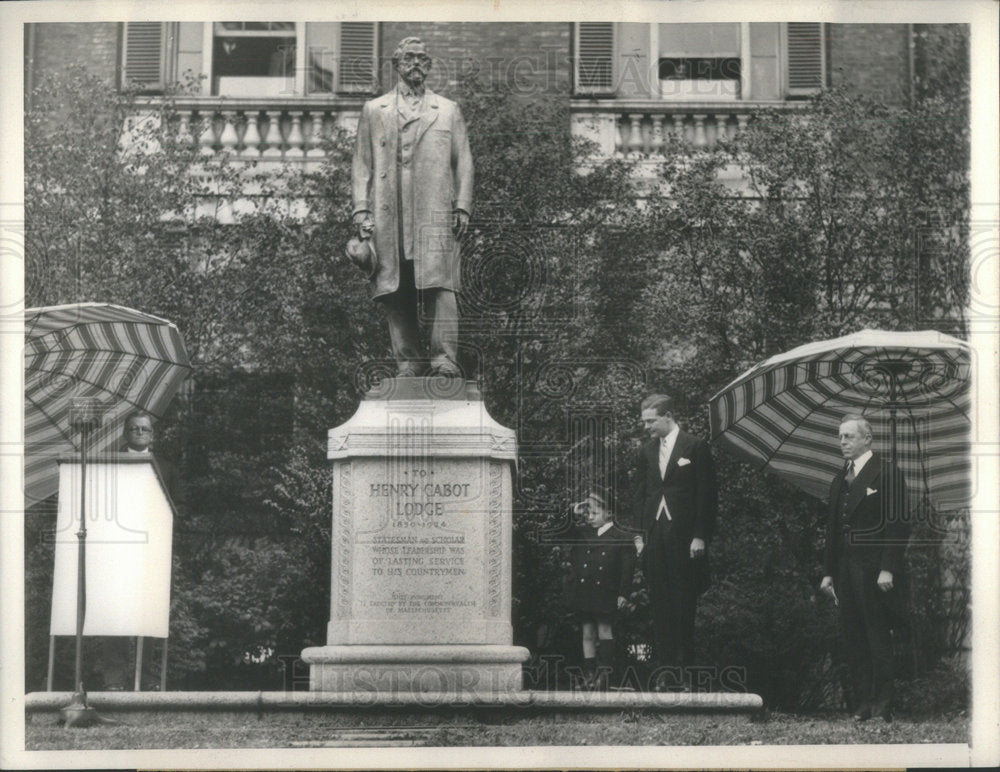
445, 369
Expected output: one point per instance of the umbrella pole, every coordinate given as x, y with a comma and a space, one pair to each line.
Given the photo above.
895, 369
78, 713
892, 435
81, 571
52, 663
163, 667
137, 683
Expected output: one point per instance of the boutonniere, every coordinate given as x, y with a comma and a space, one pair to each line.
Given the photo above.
870, 491
683, 461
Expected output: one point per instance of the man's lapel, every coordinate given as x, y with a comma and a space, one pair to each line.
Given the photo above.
386, 113
679, 450
429, 115
859, 488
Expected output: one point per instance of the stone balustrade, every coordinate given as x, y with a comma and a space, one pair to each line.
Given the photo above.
291, 129
266, 129
637, 128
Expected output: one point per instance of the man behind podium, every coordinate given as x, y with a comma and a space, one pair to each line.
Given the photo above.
138, 436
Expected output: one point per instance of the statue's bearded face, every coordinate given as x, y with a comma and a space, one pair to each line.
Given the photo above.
413, 64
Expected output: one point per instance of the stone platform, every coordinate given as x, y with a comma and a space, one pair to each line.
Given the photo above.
705, 702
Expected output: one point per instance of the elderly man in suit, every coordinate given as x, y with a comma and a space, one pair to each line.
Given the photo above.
137, 438
412, 187
676, 500
866, 536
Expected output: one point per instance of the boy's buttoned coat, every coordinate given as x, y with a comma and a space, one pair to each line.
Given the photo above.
601, 569
414, 179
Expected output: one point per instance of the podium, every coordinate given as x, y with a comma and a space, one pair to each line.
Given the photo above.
129, 549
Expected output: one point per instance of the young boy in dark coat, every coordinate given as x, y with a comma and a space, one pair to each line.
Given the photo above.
601, 566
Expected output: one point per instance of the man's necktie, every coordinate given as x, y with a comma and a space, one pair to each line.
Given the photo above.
849, 477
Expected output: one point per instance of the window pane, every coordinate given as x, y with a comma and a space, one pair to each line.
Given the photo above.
322, 56
273, 56
258, 28
253, 59
700, 40
702, 68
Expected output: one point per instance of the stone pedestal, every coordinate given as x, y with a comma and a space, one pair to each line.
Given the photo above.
421, 546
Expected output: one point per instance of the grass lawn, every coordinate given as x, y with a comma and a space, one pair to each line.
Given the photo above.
483, 727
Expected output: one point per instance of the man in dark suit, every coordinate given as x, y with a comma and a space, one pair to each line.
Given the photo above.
676, 500
866, 538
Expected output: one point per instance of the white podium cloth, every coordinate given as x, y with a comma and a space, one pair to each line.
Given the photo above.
128, 555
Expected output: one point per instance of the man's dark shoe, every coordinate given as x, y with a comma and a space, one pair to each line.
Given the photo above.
605, 664
670, 680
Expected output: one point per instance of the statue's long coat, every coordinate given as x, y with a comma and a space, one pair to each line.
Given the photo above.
439, 181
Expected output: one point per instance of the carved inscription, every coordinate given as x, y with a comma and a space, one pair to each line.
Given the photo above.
416, 503
419, 557
423, 557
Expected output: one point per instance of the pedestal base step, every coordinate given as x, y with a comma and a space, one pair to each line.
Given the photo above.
471, 670
267, 702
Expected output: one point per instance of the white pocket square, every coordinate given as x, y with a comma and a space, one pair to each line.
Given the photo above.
870, 491
683, 461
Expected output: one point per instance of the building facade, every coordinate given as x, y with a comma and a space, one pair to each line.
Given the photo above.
267, 90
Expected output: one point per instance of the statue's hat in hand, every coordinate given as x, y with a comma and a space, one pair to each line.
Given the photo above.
361, 252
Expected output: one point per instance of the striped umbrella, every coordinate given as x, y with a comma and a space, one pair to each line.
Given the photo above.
119, 358
914, 388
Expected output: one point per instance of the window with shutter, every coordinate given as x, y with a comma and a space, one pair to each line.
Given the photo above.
699, 61
358, 57
595, 43
144, 55
805, 53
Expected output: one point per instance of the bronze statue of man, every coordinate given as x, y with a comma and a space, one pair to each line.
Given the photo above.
412, 189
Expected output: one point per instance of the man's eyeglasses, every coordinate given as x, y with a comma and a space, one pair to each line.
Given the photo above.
139, 430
